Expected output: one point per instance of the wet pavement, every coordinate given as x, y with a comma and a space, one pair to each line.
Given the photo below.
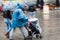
50, 27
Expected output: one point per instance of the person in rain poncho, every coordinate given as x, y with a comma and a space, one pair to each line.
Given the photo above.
19, 20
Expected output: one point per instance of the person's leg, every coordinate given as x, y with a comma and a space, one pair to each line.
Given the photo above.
8, 25
6, 22
7, 28
11, 34
24, 32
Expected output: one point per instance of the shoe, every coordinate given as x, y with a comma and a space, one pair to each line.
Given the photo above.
7, 35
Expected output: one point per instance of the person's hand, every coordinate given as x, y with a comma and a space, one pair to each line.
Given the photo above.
28, 22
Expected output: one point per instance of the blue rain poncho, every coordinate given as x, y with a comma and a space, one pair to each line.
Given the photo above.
19, 19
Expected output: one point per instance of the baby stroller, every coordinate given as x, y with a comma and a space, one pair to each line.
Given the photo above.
34, 28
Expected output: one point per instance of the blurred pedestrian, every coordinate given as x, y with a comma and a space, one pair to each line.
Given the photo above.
40, 3
19, 20
7, 19
32, 10
57, 3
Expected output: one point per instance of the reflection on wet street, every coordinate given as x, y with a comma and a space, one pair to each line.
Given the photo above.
50, 27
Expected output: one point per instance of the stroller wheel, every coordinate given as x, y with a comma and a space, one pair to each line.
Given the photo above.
37, 36
41, 36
